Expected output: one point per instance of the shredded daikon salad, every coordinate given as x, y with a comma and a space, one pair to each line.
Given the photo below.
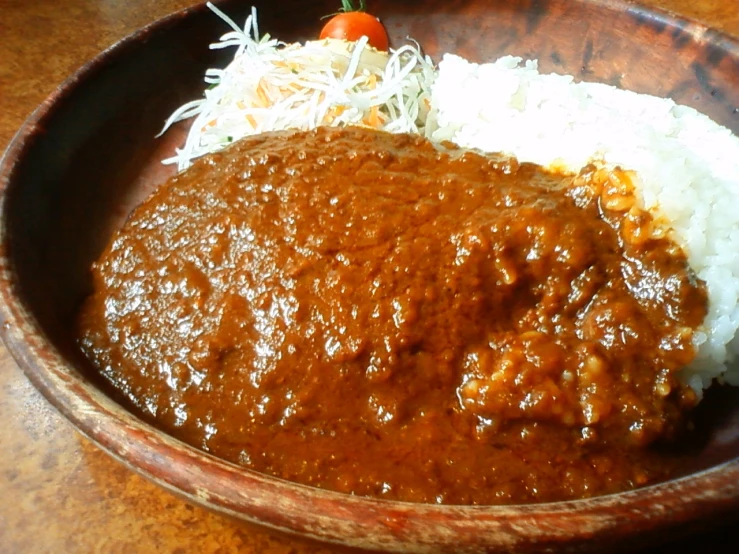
271, 85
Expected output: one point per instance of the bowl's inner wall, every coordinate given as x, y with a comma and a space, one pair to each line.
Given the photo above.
95, 152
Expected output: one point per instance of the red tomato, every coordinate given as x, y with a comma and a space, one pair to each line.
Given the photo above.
353, 25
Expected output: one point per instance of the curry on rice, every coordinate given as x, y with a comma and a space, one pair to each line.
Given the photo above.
378, 315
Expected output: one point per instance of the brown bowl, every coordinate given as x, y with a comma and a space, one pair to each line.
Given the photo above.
88, 154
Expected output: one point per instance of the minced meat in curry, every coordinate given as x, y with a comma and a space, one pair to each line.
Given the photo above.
373, 314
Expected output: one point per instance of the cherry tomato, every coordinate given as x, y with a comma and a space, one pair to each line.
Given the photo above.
352, 25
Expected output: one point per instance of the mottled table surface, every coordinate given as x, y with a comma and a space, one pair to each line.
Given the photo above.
58, 493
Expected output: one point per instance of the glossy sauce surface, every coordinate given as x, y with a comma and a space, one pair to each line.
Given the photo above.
371, 314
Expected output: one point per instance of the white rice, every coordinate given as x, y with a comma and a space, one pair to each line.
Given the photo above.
688, 166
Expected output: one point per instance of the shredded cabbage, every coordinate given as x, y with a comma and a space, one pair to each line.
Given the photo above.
271, 85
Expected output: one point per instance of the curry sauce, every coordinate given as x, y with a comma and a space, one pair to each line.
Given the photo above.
378, 315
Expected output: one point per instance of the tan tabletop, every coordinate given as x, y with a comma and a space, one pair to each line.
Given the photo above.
58, 493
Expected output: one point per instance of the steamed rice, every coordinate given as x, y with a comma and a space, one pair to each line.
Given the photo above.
687, 166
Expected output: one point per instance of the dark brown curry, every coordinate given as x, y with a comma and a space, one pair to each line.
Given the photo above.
368, 313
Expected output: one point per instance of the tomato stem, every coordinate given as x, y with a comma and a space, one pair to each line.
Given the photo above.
348, 6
